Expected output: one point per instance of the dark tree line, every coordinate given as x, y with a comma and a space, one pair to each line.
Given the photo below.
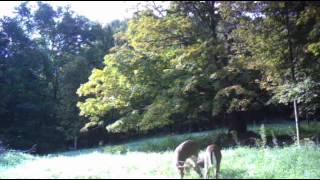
45, 55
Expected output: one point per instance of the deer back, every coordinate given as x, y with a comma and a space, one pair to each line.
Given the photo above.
187, 149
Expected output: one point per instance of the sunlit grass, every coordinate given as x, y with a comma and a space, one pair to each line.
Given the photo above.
288, 162
129, 161
95, 165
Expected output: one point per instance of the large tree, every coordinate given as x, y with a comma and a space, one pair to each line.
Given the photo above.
26, 108
166, 69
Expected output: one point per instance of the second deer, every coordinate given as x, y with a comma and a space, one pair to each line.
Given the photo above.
212, 158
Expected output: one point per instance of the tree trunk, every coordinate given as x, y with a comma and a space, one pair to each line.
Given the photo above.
237, 122
297, 121
75, 143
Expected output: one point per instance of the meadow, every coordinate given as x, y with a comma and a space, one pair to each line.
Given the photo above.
152, 158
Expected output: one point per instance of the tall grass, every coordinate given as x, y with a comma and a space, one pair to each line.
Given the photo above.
287, 162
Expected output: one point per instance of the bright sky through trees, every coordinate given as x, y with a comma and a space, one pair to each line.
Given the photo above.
101, 11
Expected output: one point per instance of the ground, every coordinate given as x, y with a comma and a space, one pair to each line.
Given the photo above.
238, 162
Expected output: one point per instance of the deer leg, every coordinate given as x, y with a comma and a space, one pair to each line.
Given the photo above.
205, 167
180, 167
181, 170
197, 169
218, 161
217, 171
195, 165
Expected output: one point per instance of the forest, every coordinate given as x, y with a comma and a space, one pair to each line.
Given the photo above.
67, 82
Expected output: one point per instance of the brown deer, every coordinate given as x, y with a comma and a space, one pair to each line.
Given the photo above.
187, 150
212, 158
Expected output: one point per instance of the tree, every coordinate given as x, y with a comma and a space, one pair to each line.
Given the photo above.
76, 72
24, 102
273, 34
49, 53
165, 69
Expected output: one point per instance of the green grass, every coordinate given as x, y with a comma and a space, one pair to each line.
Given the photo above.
288, 128
128, 161
280, 129
238, 163
163, 144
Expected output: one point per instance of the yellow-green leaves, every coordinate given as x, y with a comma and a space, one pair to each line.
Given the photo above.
110, 90
126, 123
153, 33
314, 48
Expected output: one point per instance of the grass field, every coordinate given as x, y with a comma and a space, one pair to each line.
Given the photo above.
119, 162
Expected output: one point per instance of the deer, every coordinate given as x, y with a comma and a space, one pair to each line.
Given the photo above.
211, 158
185, 154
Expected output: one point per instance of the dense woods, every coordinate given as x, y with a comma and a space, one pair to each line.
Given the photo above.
68, 82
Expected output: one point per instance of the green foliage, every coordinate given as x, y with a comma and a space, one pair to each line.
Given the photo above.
72, 75
118, 149
232, 99
130, 77
46, 53
166, 68
27, 108
158, 113
279, 40
126, 123
304, 92
188, 65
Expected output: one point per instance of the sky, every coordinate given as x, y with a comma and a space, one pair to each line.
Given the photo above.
100, 11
